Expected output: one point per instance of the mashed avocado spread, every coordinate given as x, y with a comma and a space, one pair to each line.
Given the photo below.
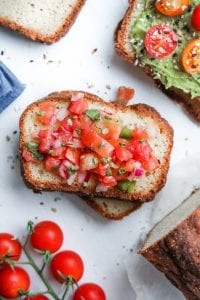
168, 70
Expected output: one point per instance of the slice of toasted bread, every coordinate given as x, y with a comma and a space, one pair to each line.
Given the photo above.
112, 209
125, 50
173, 246
109, 208
45, 21
136, 115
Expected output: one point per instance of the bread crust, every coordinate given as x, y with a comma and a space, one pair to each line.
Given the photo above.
177, 255
124, 49
105, 212
61, 185
36, 35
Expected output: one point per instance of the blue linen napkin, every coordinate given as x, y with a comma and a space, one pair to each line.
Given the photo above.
10, 87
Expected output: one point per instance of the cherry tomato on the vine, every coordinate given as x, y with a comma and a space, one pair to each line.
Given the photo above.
9, 247
172, 8
160, 41
46, 236
12, 281
67, 264
89, 291
37, 297
196, 18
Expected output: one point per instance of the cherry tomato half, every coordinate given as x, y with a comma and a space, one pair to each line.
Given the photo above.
89, 291
160, 41
67, 264
172, 8
12, 280
9, 247
37, 297
46, 236
191, 57
196, 18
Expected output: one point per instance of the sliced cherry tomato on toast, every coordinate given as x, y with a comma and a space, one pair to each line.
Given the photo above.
160, 41
195, 21
191, 57
172, 8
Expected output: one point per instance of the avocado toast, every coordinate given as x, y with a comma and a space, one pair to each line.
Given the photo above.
168, 71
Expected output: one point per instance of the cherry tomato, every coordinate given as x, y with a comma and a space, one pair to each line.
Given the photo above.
46, 236
89, 291
37, 297
160, 41
124, 95
67, 264
196, 18
9, 247
172, 8
79, 106
191, 57
12, 280
45, 112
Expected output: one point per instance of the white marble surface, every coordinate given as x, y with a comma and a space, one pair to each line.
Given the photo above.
70, 64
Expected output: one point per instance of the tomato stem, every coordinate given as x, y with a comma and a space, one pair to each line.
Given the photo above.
40, 274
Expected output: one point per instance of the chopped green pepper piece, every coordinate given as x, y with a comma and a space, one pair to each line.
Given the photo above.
126, 185
33, 148
93, 114
126, 133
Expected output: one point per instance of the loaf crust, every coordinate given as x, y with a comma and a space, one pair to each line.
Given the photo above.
177, 255
57, 184
36, 35
124, 49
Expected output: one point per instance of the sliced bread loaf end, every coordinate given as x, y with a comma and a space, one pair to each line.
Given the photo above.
45, 21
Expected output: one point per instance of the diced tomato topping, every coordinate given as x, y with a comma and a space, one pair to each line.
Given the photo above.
90, 146
130, 165
78, 107
58, 152
139, 134
88, 161
96, 143
150, 164
51, 164
27, 155
124, 95
46, 111
103, 169
73, 155
107, 181
122, 153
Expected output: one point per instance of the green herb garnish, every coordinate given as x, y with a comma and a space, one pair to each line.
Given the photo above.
105, 160
126, 133
33, 148
126, 185
93, 114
